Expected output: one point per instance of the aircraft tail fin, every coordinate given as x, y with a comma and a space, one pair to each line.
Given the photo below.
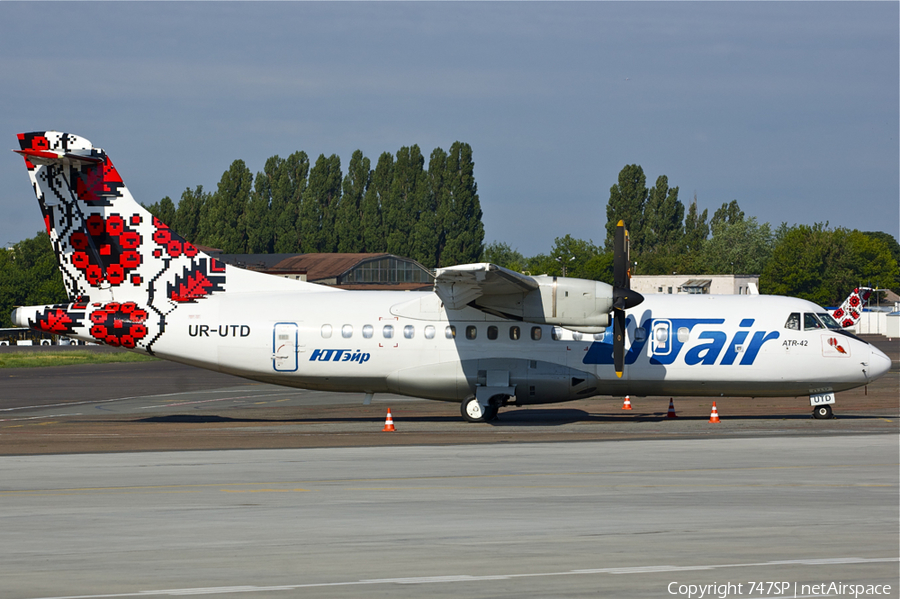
108, 246
849, 313
124, 270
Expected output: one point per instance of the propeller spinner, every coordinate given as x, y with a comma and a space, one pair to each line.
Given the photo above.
623, 296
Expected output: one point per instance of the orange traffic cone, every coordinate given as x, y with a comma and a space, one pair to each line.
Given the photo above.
627, 404
671, 413
388, 423
714, 417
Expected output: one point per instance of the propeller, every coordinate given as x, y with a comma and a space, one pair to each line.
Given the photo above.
623, 296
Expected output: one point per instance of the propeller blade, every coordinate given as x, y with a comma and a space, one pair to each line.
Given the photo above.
621, 258
623, 297
619, 341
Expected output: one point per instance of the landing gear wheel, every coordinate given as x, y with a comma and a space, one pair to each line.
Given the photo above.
822, 412
472, 411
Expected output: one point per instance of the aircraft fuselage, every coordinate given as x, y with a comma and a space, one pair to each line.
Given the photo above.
407, 343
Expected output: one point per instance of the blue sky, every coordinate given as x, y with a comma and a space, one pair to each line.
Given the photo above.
789, 108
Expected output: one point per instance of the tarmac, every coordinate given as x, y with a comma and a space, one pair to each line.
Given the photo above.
158, 480
162, 406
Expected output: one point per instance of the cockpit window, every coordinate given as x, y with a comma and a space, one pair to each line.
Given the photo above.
830, 322
793, 322
811, 323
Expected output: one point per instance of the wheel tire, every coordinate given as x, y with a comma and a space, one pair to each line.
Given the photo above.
472, 411
822, 412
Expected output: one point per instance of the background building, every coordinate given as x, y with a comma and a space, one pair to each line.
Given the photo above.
347, 271
705, 284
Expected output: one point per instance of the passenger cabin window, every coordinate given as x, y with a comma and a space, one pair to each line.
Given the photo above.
640, 334
514, 333
429, 332
536, 333
368, 330
556, 333
683, 334
326, 331
599, 336
388, 331
347, 331
450, 332
471, 332
810, 322
492, 332
793, 322
577, 336
409, 331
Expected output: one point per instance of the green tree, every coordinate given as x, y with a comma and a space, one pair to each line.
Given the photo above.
737, 247
376, 194
696, 229
187, 216
29, 276
223, 221
582, 260
823, 265
318, 205
501, 254
164, 210
431, 233
892, 245
728, 214
288, 181
260, 224
572, 255
427, 233
348, 218
627, 199
662, 218
399, 210
464, 231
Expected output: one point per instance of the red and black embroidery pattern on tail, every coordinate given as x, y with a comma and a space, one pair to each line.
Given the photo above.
97, 184
197, 281
62, 319
198, 278
107, 250
119, 324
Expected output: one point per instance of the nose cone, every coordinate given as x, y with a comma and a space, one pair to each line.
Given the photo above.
879, 363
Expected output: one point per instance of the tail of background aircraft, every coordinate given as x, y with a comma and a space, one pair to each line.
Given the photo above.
123, 269
851, 310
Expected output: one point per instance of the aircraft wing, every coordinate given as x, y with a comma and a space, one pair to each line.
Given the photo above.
574, 303
458, 286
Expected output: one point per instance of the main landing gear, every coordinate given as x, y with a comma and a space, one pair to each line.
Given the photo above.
474, 411
822, 412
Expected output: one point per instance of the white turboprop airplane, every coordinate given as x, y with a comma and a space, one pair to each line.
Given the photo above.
487, 337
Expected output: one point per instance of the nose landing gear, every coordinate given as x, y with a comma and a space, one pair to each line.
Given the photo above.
823, 412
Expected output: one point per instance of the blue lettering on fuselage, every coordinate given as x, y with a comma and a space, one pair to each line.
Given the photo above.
339, 355
705, 348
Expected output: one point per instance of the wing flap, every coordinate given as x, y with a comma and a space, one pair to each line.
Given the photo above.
458, 286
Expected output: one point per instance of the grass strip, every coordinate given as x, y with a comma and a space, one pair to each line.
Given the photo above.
41, 359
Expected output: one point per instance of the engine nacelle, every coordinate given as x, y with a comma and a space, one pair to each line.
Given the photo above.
561, 301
